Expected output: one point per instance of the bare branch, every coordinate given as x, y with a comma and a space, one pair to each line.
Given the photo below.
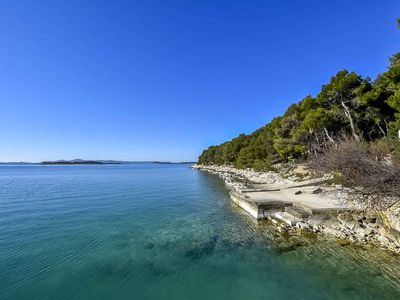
371, 178
348, 115
328, 136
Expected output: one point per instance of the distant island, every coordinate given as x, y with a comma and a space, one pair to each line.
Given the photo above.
80, 162
91, 162
104, 162
73, 162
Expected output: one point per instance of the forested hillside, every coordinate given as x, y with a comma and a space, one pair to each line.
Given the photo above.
349, 105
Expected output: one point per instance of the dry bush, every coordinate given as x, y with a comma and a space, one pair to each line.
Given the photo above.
368, 172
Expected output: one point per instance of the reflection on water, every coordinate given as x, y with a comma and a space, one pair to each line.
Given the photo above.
163, 232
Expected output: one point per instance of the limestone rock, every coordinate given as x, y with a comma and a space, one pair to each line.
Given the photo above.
351, 225
345, 217
334, 232
297, 211
302, 226
301, 170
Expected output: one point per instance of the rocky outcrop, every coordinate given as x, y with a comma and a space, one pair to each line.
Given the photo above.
347, 227
358, 227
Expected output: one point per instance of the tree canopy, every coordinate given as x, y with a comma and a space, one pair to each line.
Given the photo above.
348, 104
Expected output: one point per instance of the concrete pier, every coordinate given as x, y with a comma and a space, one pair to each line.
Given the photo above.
256, 209
297, 201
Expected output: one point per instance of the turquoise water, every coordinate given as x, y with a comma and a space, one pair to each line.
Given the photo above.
147, 231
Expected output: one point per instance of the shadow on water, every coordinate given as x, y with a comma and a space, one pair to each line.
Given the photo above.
204, 249
118, 271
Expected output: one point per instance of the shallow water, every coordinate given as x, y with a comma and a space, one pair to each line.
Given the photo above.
148, 231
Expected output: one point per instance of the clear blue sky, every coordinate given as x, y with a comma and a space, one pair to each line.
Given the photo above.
161, 80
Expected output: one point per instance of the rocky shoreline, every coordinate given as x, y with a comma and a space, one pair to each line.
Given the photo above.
237, 179
348, 226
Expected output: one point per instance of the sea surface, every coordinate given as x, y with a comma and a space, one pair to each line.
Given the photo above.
151, 231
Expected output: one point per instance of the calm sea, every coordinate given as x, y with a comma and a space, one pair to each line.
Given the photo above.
148, 231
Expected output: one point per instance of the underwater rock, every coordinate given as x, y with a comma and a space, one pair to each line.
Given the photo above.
204, 249
148, 246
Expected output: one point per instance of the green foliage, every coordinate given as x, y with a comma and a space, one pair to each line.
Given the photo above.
382, 148
348, 105
335, 179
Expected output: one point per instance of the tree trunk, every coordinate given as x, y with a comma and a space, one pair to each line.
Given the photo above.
381, 129
328, 136
353, 129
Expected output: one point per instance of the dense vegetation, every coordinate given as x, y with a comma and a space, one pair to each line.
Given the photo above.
349, 105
